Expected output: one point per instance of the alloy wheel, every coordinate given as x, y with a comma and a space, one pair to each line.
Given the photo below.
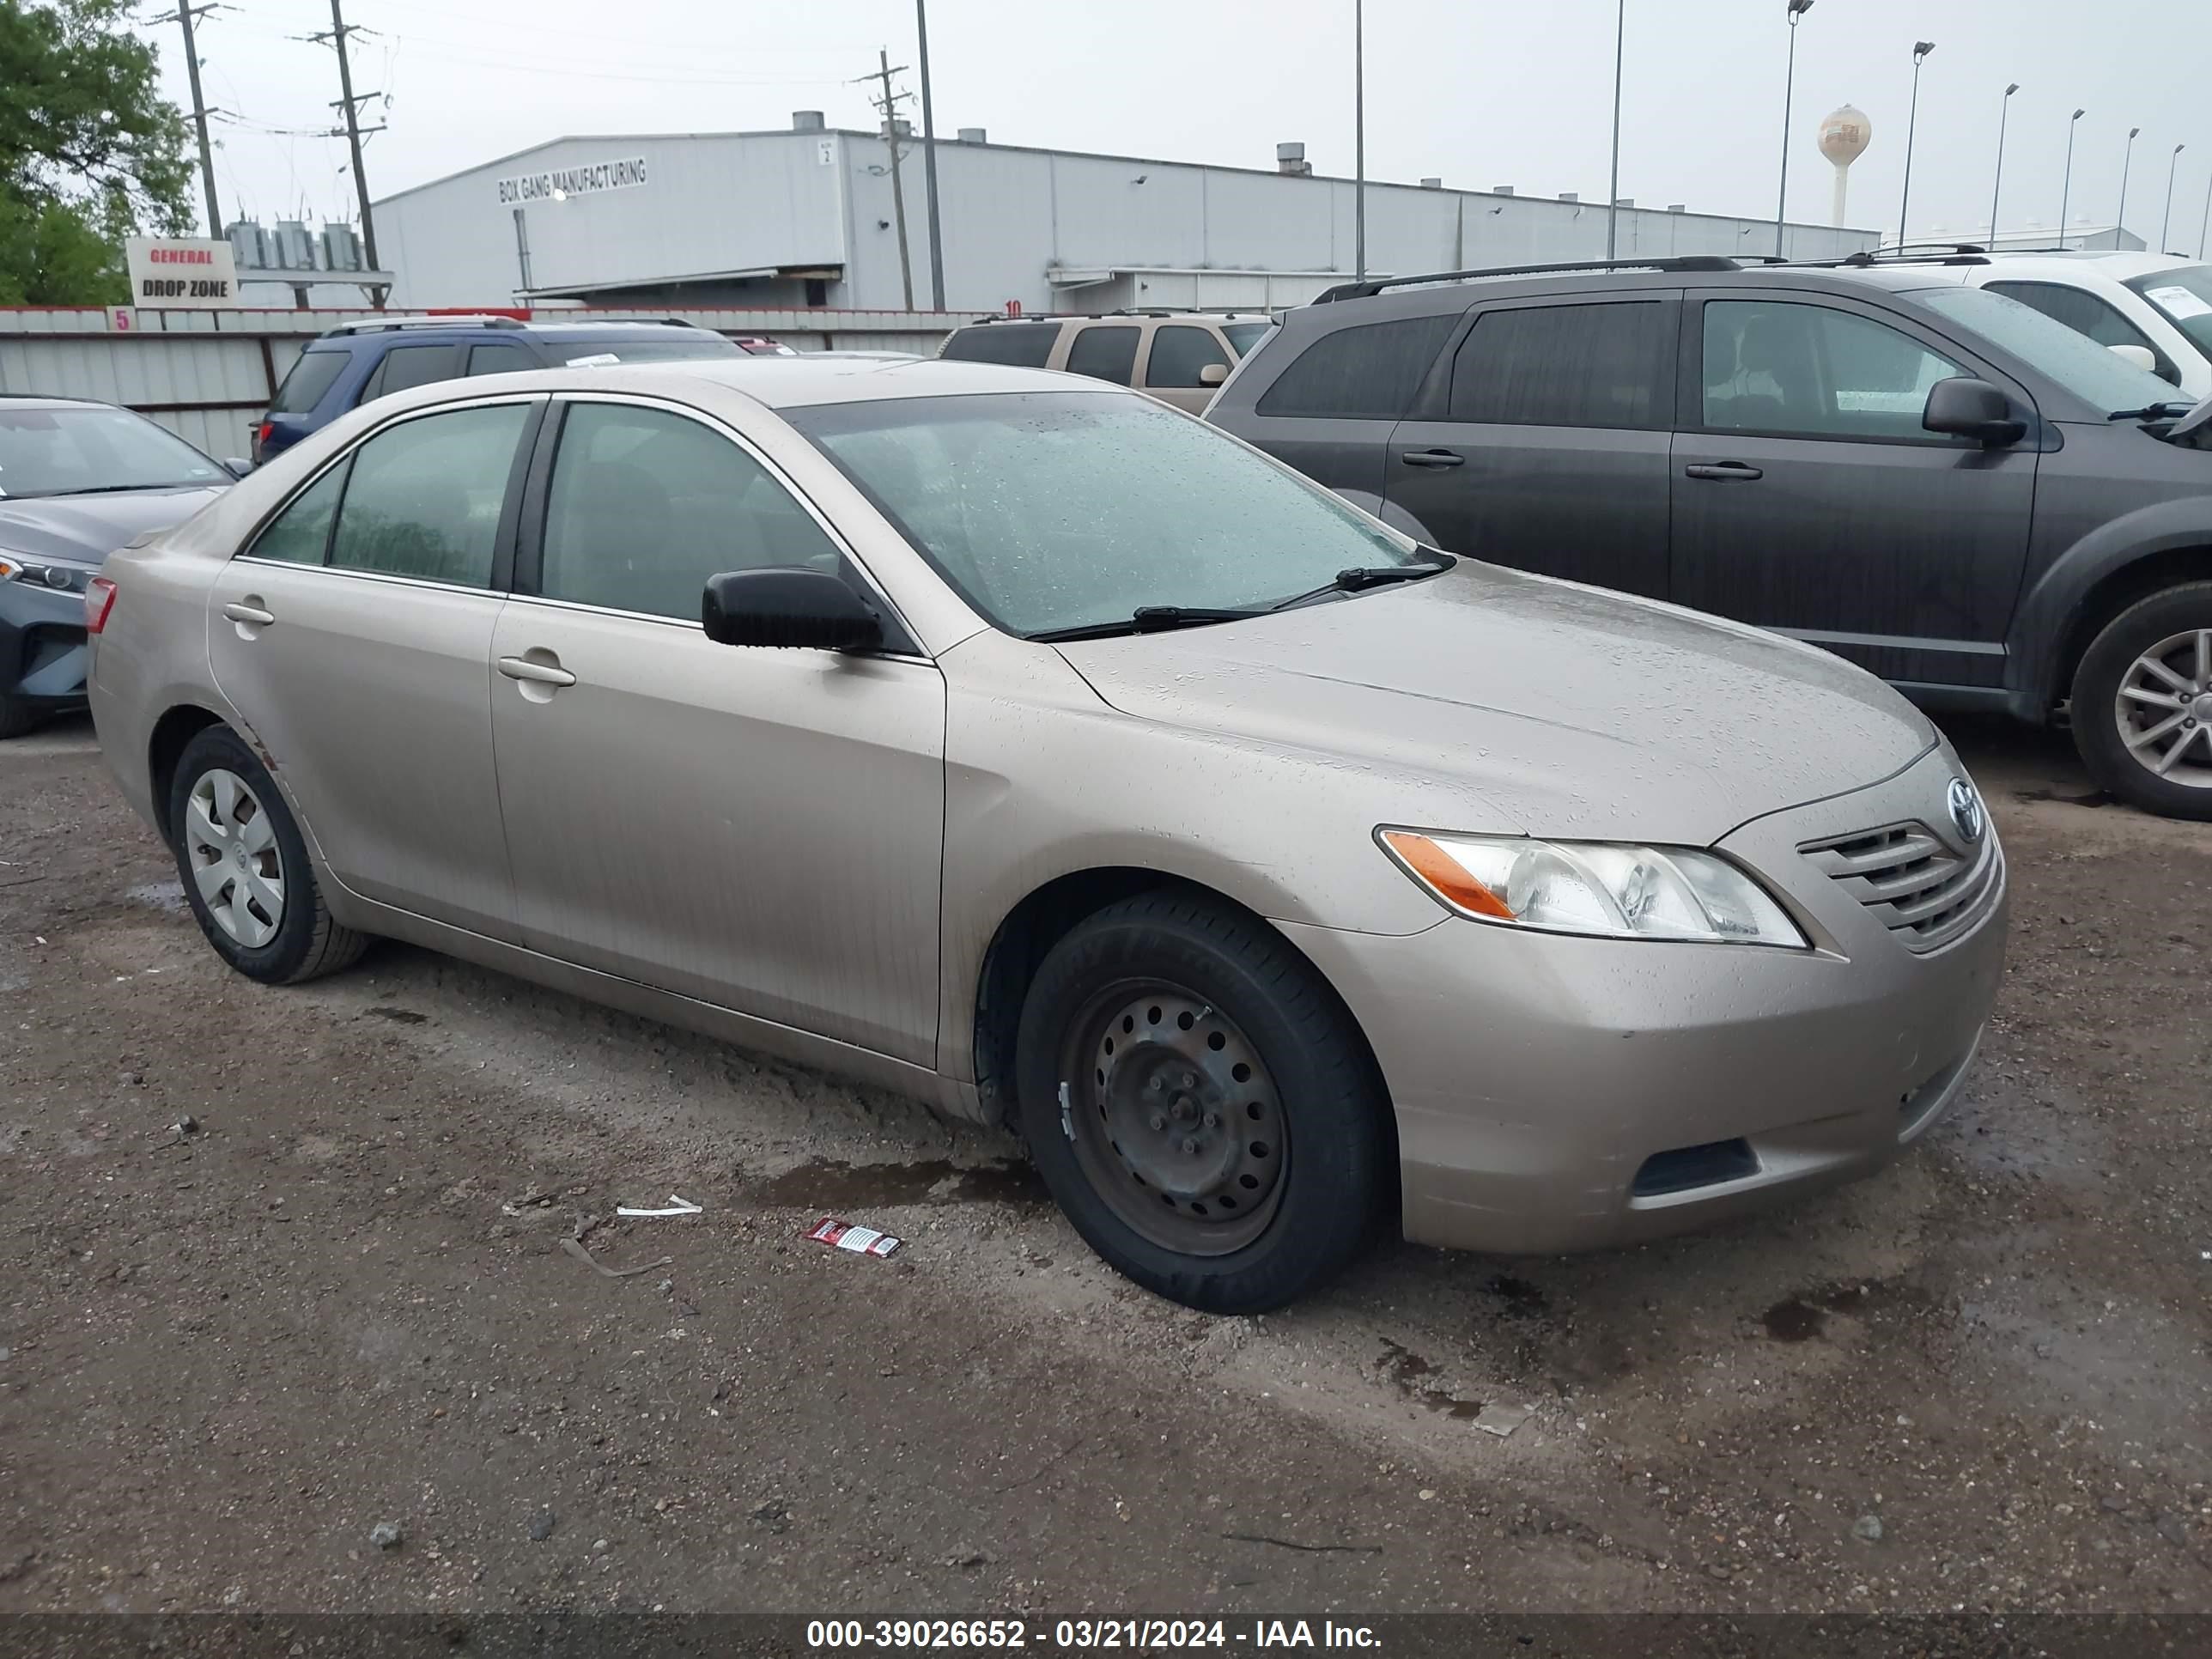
234, 858
2164, 709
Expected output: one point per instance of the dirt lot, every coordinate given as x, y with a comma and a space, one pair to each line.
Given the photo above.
1981, 1379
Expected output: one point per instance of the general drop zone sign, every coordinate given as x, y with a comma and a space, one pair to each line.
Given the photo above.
176, 274
562, 182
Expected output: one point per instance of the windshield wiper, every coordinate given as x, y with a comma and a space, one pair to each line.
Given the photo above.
2151, 411
1153, 619
1375, 575
111, 490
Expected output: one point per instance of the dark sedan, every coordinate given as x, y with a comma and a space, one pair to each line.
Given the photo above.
77, 481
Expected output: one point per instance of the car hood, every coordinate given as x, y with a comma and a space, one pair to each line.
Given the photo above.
1567, 710
86, 529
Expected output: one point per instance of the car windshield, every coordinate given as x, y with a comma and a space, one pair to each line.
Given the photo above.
72, 451
685, 343
2185, 296
1056, 510
1241, 335
2078, 363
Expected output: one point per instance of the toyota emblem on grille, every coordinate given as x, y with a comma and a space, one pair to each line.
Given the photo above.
1966, 810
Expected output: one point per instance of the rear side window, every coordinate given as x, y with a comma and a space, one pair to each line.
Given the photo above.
499, 360
301, 534
1179, 351
311, 376
1242, 336
411, 364
1104, 352
645, 506
1018, 345
1364, 373
425, 496
1586, 365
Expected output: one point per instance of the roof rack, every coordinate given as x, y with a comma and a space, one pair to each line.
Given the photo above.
1376, 285
1909, 253
389, 325
1249, 311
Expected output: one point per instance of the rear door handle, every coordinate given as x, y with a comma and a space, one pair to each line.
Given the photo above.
1723, 471
538, 673
249, 613
1432, 457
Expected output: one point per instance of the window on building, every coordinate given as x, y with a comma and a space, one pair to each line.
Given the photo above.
1582, 365
425, 496
645, 506
1364, 373
1104, 352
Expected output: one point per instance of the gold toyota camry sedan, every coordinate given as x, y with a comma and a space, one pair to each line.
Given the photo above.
1011, 740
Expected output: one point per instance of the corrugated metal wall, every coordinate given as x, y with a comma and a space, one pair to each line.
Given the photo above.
208, 375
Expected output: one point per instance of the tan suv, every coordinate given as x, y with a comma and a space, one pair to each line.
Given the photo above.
1181, 357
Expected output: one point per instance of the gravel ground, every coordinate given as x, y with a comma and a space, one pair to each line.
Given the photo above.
232, 1355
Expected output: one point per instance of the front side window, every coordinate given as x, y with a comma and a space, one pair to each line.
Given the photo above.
1179, 353
1587, 365
1017, 345
62, 450
424, 497
1071, 509
301, 534
646, 505
1811, 371
2085, 369
2083, 313
312, 375
1105, 352
1366, 374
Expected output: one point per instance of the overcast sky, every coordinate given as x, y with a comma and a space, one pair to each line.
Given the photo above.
1482, 92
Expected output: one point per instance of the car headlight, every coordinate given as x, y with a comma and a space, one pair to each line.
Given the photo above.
62, 578
1606, 890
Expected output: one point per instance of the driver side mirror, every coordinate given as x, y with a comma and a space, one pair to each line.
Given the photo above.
2141, 357
1967, 408
789, 607
1213, 374
237, 466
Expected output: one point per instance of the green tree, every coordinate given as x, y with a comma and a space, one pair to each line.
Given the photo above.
89, 151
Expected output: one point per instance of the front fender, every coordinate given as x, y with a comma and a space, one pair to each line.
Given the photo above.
2044, 619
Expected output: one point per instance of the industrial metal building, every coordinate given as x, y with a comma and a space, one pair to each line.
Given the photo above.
809, 217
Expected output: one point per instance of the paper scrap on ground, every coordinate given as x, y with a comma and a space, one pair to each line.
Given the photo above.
683, 1207
1502, 1420
865, 1241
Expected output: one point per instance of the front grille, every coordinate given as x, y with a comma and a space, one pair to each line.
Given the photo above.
1913, 882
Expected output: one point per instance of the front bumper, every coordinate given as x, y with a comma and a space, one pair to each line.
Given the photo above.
1556, 1093
44, 653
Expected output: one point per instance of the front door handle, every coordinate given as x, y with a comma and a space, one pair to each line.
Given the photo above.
1723, 471
249, 613
1432, 457
535, 673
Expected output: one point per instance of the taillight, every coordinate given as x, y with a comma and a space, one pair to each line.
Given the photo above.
267, 426
99, 600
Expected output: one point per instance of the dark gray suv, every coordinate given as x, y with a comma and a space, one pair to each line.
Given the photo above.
1945, 487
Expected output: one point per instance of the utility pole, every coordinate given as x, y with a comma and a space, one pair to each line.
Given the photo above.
929, 159
1359, 140
1612, 191
185, 12
889, 104
339, 29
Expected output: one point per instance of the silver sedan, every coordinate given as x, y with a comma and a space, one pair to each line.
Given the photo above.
1016, 742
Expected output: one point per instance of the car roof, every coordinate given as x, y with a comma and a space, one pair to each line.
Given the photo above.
2074, 264
795, 382
51, 400
438, 331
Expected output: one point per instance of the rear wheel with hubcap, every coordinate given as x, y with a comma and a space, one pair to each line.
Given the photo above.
2143, 703
244, 868
1201, 1103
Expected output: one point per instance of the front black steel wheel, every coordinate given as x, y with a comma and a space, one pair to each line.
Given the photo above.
1201, 1103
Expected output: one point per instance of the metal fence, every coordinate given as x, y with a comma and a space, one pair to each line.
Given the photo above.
207, 375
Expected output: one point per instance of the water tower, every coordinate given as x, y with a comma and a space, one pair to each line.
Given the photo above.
1844, 138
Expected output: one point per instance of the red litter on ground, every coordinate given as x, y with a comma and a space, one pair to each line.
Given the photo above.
864, 1241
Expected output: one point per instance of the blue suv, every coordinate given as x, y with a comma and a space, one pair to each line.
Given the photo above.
357, 362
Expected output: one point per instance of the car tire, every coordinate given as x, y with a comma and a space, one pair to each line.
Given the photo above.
2160, 628
1239, 1082
17, 717
236, 844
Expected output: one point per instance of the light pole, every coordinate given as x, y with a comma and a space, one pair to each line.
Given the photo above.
2204, 225
1797, 9
2066, 187
1996, 190
2166, 224
1359, 140
1920, 51
929, 159
1613, 195
2127, 159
